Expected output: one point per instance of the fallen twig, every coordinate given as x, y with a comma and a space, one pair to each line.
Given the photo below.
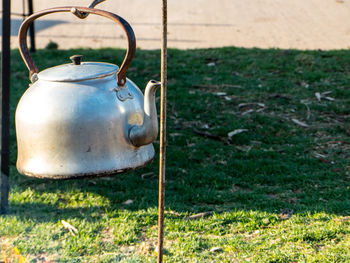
300, 123
242, 105
210, 86
231, 86
337, 142
209, 135
147, 175
234, 132
281, 96
200, 215
206, 86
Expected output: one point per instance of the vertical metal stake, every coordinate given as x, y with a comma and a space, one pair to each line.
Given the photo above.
31, 27
162, 156
5, 105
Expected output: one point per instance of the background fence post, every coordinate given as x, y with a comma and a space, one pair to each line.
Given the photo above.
5, 105
31, 28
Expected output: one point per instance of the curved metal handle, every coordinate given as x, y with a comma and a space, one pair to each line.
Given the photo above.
22, 37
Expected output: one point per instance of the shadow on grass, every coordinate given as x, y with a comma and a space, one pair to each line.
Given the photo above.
275, 163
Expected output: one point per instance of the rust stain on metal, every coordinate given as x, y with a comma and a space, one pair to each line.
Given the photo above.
130, 53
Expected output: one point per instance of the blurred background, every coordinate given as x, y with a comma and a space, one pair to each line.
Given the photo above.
293, 24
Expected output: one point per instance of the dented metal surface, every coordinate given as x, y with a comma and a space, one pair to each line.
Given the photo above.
72, 129
70, 123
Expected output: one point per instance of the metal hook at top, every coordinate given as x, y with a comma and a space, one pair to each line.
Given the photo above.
83, 15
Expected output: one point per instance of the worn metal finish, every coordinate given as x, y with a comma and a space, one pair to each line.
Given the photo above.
22, 36
81, 72
5, 108
162, 153
123, 93
78, 129
83, 15
70, 123
147, 133
76, 59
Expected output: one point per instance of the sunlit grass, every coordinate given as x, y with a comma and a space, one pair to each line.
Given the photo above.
278, 191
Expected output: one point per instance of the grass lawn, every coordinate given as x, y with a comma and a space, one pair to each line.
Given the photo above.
277, 188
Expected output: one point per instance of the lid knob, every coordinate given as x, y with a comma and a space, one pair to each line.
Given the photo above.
76, 59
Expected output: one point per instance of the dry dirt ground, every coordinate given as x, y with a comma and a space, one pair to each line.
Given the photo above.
297, 24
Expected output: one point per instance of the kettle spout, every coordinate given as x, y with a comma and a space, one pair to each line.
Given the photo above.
148, 131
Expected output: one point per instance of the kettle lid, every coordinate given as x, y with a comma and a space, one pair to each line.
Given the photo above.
78, 72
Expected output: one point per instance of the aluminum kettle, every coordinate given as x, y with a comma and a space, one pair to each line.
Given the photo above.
84, 119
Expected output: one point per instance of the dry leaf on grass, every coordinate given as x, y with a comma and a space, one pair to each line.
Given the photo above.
175, 134
300, 123
208, 135
235, 132
244, 148
200, 215
318, 96
220, 93
146, 248
216, 249
326, 161
147, 175
247, 112
128, 202
345, 218
205, 126
71, 228
242, 105
285, 214
322, 95
231, 86
248, 107
318, 155
326, 92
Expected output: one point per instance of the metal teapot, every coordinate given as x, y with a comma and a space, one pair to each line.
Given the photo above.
84, 119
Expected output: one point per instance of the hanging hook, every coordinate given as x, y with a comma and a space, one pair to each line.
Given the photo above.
83, 15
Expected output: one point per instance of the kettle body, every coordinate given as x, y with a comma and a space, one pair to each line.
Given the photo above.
78, 129
83, 119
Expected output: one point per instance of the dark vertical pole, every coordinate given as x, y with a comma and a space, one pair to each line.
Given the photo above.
5, 106
162, 140
31, 27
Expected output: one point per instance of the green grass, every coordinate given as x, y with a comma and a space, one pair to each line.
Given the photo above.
246, 182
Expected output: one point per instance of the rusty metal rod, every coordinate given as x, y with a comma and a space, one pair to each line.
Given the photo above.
5, 106
162, 154
130, 52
